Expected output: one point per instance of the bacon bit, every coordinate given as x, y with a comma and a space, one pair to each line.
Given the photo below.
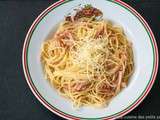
62, 35
66, 86
68, 18
99, 32
87, 12
119, 79
80, 86
115, 69
105, 88
108, 65
77, 87
65, 38
123, 56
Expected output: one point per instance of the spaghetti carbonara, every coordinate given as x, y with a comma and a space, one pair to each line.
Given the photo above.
88, 59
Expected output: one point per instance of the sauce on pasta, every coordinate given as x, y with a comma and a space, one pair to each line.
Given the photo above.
88, 60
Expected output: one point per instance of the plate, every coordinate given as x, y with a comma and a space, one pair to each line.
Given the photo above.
145, 58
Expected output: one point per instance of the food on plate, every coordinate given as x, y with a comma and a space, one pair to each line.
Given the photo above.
88, 59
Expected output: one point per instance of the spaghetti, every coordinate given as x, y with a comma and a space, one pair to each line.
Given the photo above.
88, 60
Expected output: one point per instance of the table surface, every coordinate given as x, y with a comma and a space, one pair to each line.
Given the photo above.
16, 99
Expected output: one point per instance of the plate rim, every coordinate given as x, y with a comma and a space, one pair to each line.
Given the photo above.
66, 115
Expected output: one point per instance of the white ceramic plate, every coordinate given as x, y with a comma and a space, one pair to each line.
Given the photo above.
145, 58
